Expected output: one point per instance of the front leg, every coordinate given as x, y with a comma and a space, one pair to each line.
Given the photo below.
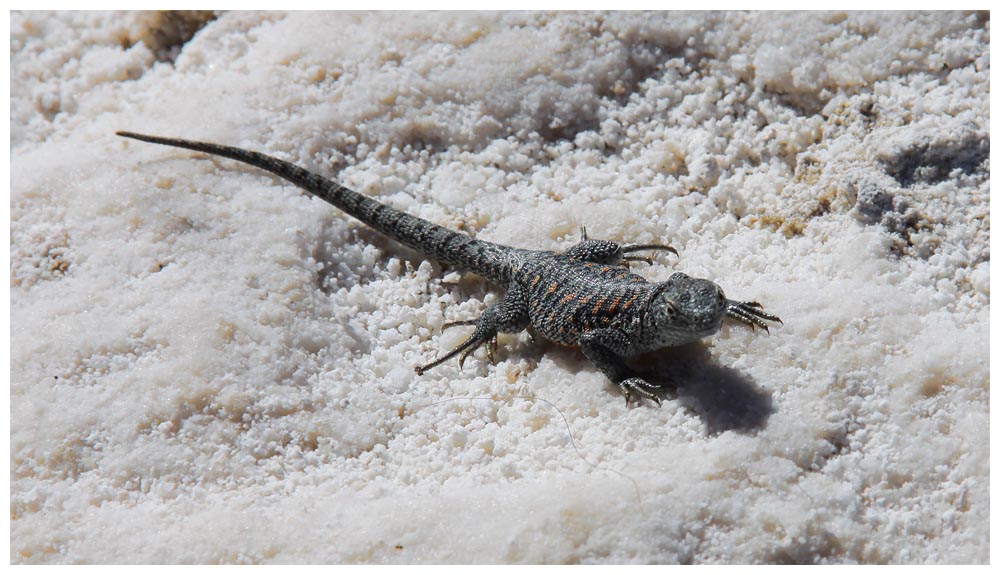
509, 315
599, 347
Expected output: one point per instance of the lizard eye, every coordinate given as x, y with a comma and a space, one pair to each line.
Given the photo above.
670, 309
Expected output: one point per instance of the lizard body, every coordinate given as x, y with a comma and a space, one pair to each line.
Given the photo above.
583, 297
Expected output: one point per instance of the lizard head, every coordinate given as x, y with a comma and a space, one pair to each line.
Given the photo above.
684, 309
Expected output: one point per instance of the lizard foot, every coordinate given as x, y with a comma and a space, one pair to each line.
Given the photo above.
639, 387
750, 313
478, 338
644, 248
482, 335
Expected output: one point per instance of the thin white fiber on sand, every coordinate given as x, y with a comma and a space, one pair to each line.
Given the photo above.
209, 366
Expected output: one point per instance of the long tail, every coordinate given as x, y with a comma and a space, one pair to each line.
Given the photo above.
437, 242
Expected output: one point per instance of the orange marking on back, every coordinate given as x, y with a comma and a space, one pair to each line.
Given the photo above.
628, 303
599, 303
614, 304
535, 281
552, 288
569, 297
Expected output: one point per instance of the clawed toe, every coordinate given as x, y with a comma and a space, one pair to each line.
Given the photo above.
751, 313
628, 259
639, 387
627, 249
464, 350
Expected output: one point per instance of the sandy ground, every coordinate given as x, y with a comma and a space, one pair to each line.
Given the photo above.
208, 366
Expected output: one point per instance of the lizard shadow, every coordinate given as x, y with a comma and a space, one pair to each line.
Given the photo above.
725, 398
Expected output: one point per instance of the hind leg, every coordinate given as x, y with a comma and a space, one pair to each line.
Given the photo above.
606, 252
509, 315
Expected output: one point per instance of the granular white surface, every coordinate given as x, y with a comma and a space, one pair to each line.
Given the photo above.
209, 366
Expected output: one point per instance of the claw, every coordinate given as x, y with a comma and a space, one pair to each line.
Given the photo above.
461, 358
531, 333
648, 247
638, 259
491, 350
451, 324
628, 397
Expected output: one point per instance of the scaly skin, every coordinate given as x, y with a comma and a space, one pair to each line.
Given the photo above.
584, 297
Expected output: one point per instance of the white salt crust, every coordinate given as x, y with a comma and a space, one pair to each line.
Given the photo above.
208, 366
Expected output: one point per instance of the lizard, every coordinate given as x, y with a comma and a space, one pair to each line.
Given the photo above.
584, 297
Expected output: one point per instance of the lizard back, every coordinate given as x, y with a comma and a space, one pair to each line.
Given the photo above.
568, 298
